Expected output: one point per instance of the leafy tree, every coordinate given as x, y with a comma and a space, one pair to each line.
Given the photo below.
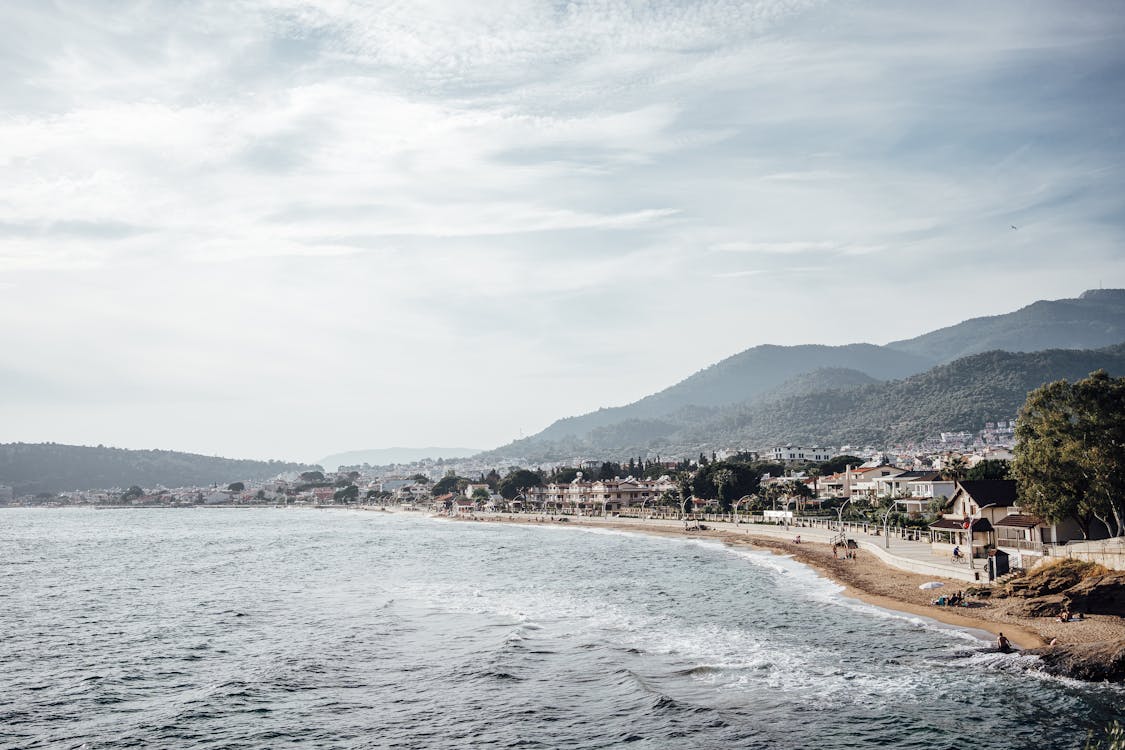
421, 479
312, 476
480, 496
608, 471
839, 463
564, 475
347, 494
1070, 451
449, 483
722, 479
236, 486
517, 481
132, 493
990, 469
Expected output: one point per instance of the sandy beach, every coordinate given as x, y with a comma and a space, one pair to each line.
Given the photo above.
869, 579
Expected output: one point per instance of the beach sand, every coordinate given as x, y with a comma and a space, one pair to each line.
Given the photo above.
869, 579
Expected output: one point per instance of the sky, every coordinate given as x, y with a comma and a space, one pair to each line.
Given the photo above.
286, 228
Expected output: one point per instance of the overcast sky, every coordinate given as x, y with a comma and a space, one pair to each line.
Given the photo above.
282, 229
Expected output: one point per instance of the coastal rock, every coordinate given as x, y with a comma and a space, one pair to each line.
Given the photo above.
1042, 606
1099, 596
1053, 580
1092, 662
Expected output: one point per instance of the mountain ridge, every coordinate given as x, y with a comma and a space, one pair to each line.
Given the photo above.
1093, 320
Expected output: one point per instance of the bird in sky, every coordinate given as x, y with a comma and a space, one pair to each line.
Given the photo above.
1013, 226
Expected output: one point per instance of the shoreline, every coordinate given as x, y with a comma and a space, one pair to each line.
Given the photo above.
870, 580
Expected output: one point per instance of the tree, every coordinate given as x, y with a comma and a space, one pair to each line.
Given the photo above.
1070, 452
449, 483
346, 494
421, 479
480, 496
236, 486
989, 469
839, 463
132, 493
723, 478
518, 481
312, 476
954, 467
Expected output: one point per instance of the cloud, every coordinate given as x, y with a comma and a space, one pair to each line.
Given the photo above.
418, 211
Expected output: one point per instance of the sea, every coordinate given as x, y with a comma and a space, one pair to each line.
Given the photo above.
302, 628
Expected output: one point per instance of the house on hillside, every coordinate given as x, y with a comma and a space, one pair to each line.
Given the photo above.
789, 452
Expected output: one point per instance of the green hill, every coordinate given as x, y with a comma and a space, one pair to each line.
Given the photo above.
961, 395
740, 378
51, 467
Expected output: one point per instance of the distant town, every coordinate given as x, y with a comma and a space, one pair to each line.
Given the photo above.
413, 482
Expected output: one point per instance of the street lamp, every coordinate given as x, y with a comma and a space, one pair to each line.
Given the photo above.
973, 519
840, 513
886, 518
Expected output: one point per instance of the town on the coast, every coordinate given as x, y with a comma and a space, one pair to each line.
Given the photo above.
977, 506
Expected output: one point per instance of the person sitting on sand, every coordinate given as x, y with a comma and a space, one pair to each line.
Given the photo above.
1064, 616
1003, 645
797, 539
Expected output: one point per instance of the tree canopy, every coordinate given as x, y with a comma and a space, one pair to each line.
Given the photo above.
1070, 451
517, 481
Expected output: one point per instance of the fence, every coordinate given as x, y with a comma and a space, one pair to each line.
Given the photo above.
1109, 553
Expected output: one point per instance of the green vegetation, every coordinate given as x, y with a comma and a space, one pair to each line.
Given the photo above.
518, 481
236, 486
449, 483
962, 395
1070, 452
347, 494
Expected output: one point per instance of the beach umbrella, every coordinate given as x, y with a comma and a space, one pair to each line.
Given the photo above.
931, 585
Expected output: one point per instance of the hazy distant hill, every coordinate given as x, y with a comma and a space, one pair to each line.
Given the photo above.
1094, 320
742, 377
757, 380
50, 467
961, 395
385, 456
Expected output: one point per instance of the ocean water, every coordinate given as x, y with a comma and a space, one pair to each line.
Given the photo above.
270, 628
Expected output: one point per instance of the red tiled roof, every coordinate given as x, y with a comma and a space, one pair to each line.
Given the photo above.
1019, 520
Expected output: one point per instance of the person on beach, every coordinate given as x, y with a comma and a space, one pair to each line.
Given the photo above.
1003, 645
835, 553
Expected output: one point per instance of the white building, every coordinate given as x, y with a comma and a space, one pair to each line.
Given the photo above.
798, 453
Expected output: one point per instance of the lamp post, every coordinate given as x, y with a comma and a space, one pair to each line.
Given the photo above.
886, 518
840, 514
973, 519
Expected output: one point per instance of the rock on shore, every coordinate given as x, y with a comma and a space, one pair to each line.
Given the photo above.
1093, 662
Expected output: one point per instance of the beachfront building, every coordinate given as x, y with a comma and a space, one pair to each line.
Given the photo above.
973, 510
608, 495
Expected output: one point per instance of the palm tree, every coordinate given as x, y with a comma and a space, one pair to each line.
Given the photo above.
954, 467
